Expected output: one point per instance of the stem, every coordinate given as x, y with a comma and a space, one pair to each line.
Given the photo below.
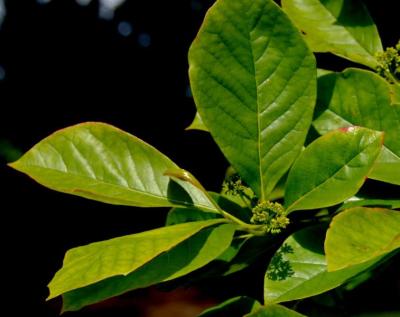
187, 177
393, 78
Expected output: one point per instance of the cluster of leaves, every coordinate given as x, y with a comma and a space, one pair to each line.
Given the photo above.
259, 93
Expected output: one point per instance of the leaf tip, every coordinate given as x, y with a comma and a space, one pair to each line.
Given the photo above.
14, 165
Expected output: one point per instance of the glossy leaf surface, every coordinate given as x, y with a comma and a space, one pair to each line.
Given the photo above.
361, 234
332, 168
362, 98
97, 261
253, 79
299, 270
341, 27
100, 162
184, 258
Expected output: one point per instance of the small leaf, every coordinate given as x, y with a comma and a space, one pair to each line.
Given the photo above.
299, 270
362, 98
100, 162
332, 168
92, 263
253, 79
274, 311
361, 234
360, 202
238, 306
197, 124
341, 27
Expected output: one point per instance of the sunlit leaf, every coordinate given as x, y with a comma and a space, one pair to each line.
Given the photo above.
362, 98
361, 234
341, 27
100, 162
182, 259
92, 263
332, 168
299, 270
253, 81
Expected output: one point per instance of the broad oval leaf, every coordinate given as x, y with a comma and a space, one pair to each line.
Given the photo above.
361, 234
198, 124
274, 311
299, 270
253, 79
100, 162
92, 263
341, 27
182, 259
362, 98
332, 168
237, 306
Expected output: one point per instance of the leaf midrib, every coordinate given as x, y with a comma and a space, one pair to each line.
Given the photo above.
129, 189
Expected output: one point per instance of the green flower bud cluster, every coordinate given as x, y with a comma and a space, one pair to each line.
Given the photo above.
389, 64
233, 186
270, 214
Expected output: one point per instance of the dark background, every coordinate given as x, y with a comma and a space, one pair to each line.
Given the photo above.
62, 65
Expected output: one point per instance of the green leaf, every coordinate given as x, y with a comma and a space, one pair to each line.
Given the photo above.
361, 234
197, 124
332, 168
299, 270
274, 311
100, 162
238, 306
92, 263
362, 98
184, 258
253, 79
360, 202
341, 27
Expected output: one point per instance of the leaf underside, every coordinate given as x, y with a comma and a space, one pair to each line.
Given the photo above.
97, 261
100, 162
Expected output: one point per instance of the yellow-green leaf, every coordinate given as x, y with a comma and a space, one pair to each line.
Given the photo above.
97, 261
100, 162
253, 79
332, 168
362, 98
342, 27
187, 256
360, 234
